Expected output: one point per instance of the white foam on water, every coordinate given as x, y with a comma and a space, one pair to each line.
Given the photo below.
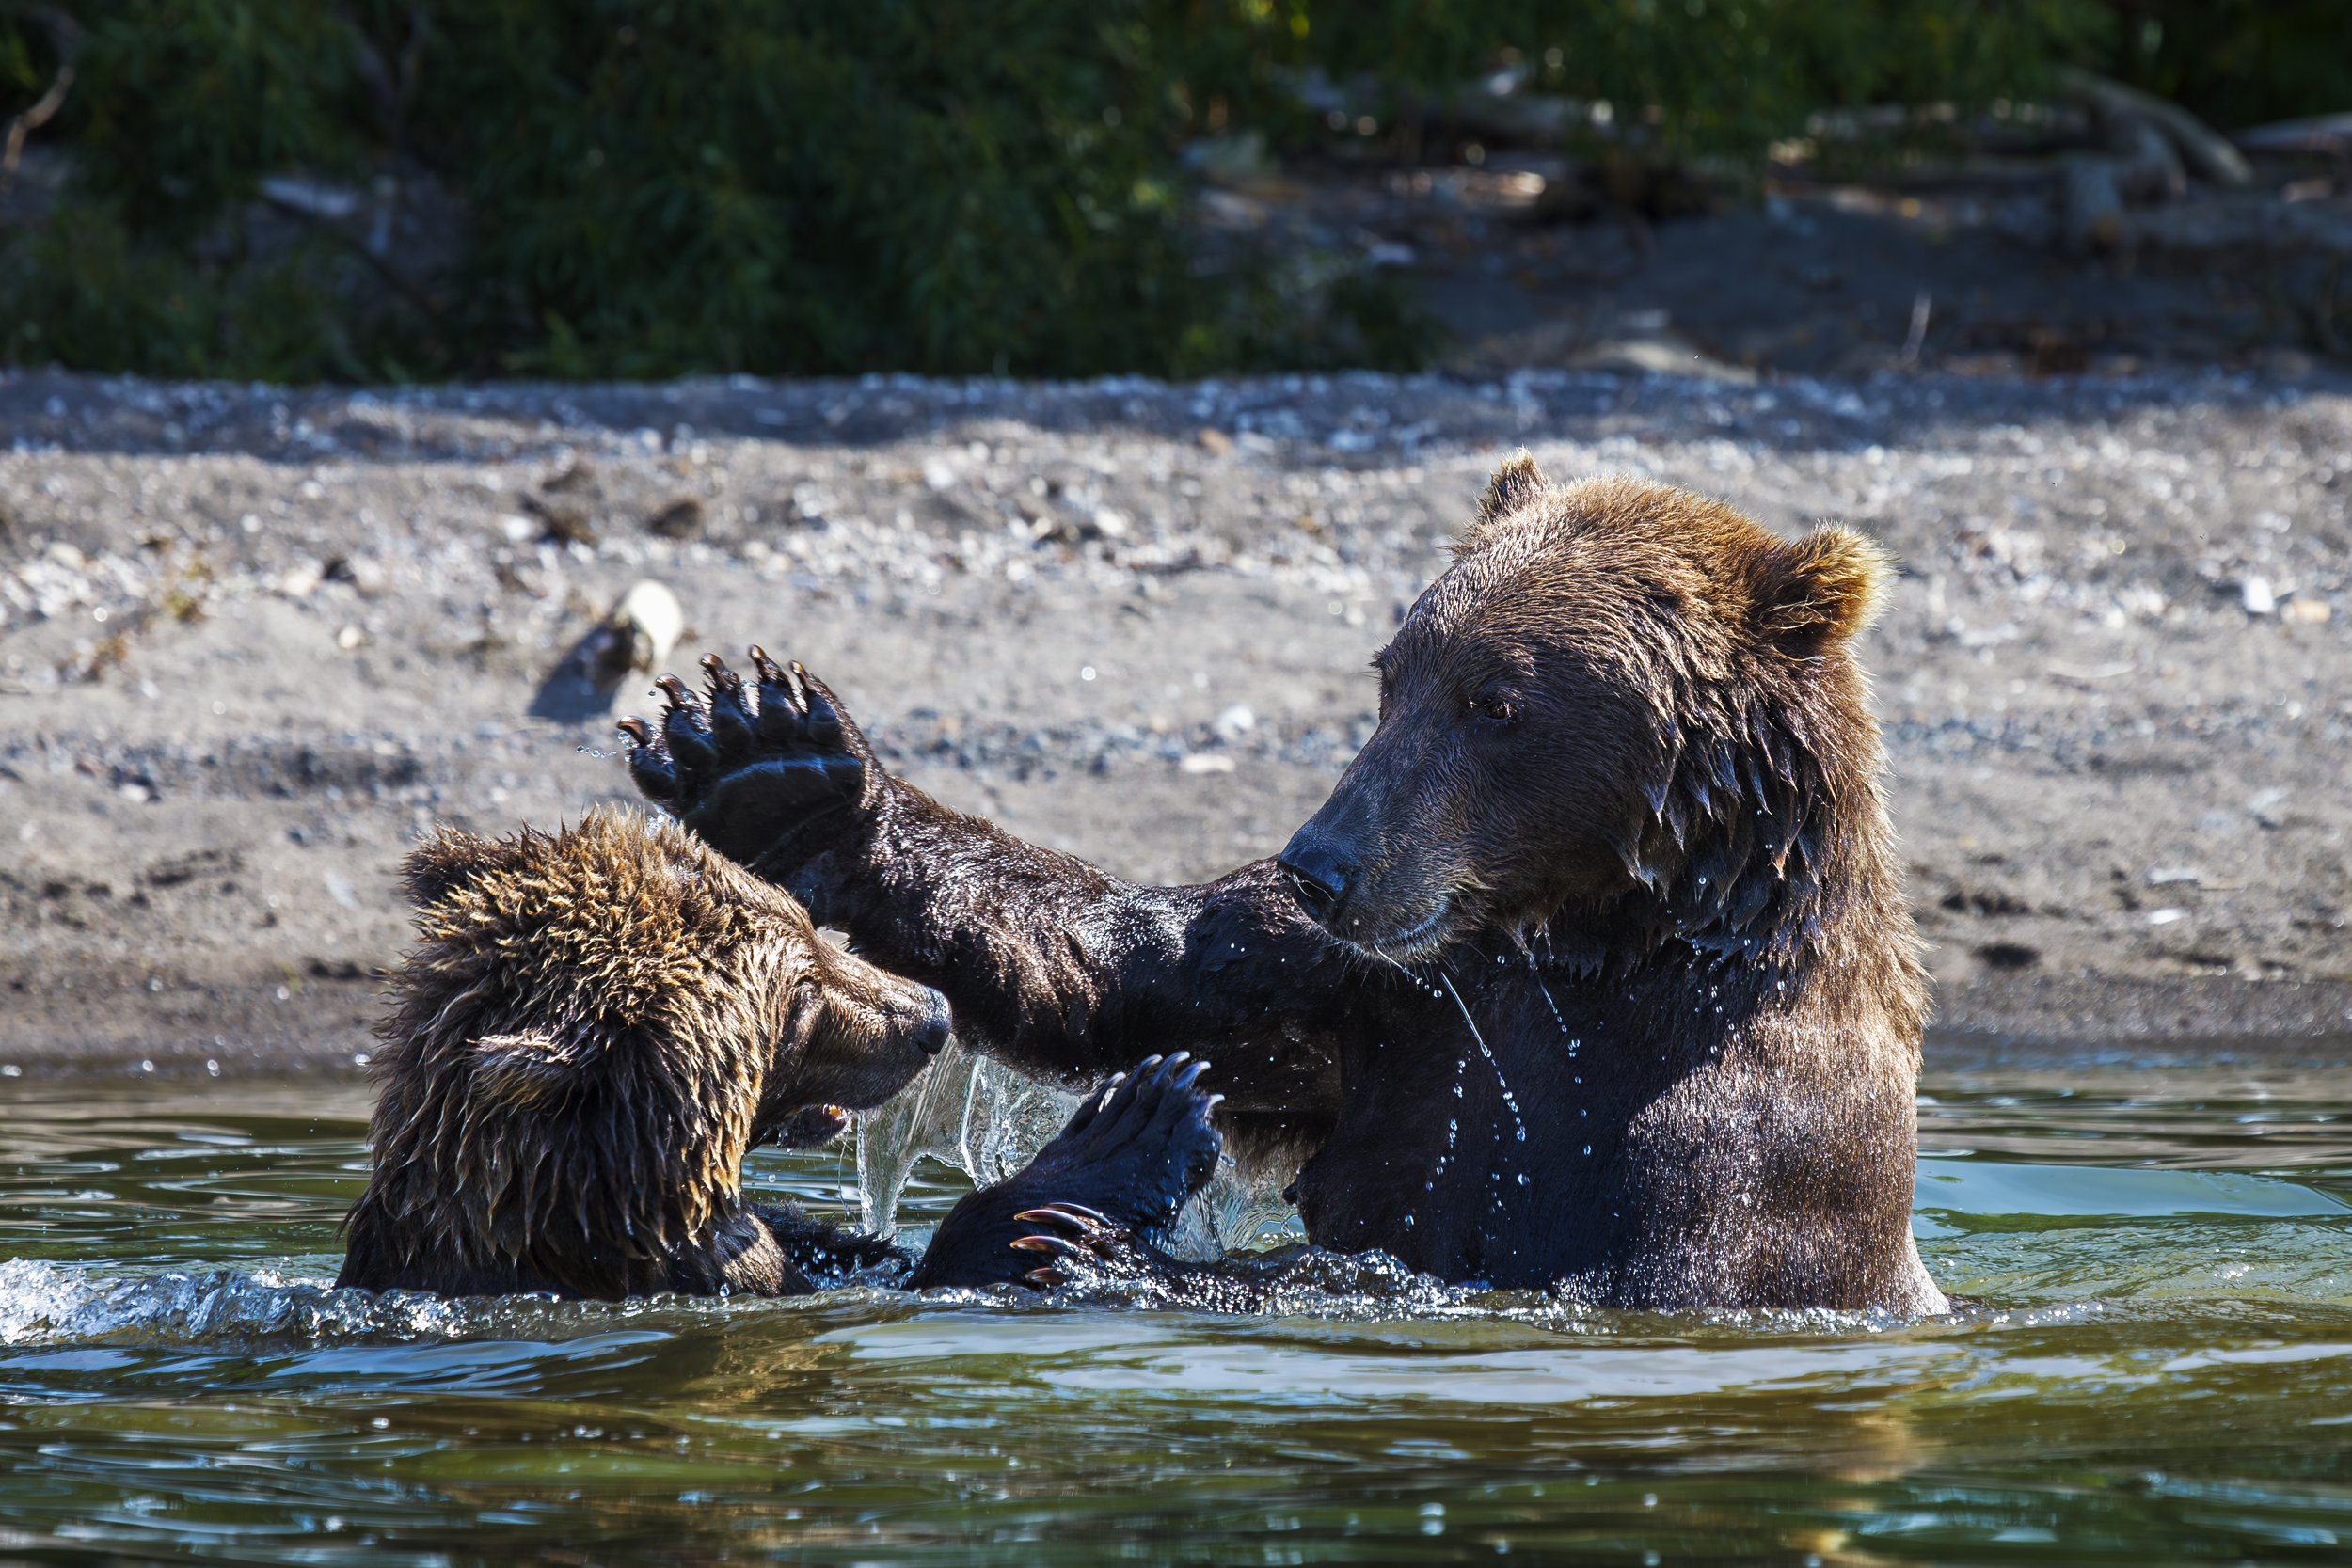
52, 1304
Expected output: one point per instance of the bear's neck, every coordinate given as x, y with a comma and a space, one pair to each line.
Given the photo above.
1764, 852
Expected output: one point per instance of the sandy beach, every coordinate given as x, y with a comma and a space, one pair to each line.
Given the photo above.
253, 640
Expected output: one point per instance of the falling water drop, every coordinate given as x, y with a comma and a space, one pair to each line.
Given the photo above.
1550, 1002
1509, 1100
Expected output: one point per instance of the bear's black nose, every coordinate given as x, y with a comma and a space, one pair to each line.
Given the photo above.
1317, 876
930, 1036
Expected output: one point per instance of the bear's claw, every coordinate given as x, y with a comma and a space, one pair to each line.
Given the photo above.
649, 766
730, 718
1099, 1197
1086, 1247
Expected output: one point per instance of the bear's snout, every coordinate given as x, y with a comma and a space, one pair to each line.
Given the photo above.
1318, 870
930, 1036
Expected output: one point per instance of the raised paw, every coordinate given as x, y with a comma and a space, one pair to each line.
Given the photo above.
748, 766
1138, 1148
1117, 1174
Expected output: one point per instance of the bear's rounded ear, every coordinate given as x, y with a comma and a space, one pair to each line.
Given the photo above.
1821, 589
451, 859
1515, 485
524, 1072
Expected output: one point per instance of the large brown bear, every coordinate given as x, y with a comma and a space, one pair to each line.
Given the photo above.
1594, 972
592, 1030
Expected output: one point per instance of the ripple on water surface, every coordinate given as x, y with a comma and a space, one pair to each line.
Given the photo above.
2159, 1367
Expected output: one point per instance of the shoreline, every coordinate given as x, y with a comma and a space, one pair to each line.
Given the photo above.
325, 1031
254, 640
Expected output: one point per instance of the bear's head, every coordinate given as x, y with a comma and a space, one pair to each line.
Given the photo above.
594, 1026
1622, 701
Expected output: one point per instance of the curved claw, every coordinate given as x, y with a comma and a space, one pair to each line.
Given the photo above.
1077, 1215
730, 718
683, 731
824, 715
781, 722
1083, 1245
649, 766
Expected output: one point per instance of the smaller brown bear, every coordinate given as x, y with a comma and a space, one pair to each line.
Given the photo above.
592, 1031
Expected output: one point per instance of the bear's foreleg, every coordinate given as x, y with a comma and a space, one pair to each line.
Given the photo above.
825, 1254
1048, 963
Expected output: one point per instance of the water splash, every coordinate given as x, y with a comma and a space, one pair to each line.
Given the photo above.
1509, 1100
890, 1138
976, 1115
48, 1303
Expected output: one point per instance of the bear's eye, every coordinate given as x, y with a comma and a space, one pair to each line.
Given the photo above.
1495, 707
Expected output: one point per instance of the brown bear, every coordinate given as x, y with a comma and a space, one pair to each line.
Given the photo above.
592, 1030
1593, 974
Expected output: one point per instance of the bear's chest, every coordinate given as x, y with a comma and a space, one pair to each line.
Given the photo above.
1483, 1141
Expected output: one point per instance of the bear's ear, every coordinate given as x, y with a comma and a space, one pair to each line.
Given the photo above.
523, 1071
1821, 589
1515, 485
450, 860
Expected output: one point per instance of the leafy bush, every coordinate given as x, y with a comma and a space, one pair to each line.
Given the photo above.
648, 187
2235, 62
960, 186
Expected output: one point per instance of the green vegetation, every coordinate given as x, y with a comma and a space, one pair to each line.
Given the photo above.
650, 187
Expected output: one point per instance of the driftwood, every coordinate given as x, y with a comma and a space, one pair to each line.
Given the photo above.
67, 33
2324, 134
2206, 150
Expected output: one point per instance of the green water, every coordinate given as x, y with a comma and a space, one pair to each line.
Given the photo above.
2161, 1371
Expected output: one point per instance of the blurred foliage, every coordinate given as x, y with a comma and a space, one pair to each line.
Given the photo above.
2235, 62
651, 187
1717, 76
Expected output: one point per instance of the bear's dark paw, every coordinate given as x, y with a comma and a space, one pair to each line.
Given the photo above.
1086, 1250
1136, 1150
1133, 1155
746, 767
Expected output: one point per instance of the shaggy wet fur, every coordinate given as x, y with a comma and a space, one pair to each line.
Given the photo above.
1594, 972
591, 1031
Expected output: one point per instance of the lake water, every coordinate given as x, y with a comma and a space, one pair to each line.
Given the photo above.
2160, 1371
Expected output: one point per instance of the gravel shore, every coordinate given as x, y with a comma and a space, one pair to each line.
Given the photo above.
253, 640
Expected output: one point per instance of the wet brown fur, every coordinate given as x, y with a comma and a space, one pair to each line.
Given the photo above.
1595, 970
591, 1031
1626, 735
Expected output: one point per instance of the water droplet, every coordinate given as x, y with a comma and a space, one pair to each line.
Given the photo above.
1588, 1148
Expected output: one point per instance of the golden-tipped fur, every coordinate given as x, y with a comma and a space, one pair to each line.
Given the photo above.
590, 1033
